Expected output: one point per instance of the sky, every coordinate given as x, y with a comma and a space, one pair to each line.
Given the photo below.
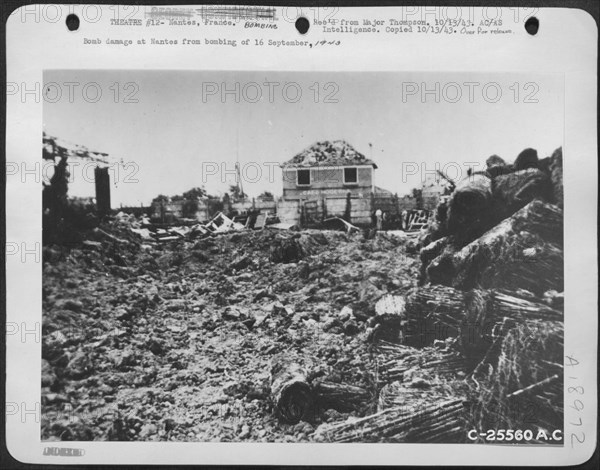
174, 130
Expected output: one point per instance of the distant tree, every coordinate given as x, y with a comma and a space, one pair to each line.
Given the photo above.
160, 198
194, 193
160, 201
215, 205
236, 192
190, 201
266, 196
418, 195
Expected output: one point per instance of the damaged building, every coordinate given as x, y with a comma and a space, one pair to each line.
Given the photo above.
332, 179
61, 152
63, 213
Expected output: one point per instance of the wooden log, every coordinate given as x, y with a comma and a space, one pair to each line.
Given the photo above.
528, 158
469, 212
291, 393
482, 200
496, 166
494, 160
342, 397
523, 251
430, 252
512, 191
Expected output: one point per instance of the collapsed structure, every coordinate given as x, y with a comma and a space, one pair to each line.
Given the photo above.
54, 148
316, 335
59, 216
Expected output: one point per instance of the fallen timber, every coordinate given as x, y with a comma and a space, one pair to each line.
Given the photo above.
523, 251
439, 312
292, 395
297, 398
512, 387
396, 361
342, 397
432, 422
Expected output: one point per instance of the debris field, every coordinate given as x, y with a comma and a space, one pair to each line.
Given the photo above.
223, 333
175, 341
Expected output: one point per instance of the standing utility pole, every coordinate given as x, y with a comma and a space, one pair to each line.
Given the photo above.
237, 165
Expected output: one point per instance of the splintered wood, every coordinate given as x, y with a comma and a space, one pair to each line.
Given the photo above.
394, 361
342, 397
486, 351
434, 422
439, 312
296, 398
519, 384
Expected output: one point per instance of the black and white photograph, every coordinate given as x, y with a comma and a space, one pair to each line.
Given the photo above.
303, 257
301, 236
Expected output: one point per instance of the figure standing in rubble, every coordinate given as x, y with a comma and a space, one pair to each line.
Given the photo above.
379, 218
404, 220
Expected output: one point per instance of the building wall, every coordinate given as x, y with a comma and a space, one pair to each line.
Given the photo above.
328, 182
288, 211
174, 210
254, 205
360, 209
313, 211
202, 213
307, 211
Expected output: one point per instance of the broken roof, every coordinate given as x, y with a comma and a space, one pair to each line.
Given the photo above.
56, 147
326, 153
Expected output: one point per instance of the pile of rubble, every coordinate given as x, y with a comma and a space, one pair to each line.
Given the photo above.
219, 224
481, 340
176, 340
